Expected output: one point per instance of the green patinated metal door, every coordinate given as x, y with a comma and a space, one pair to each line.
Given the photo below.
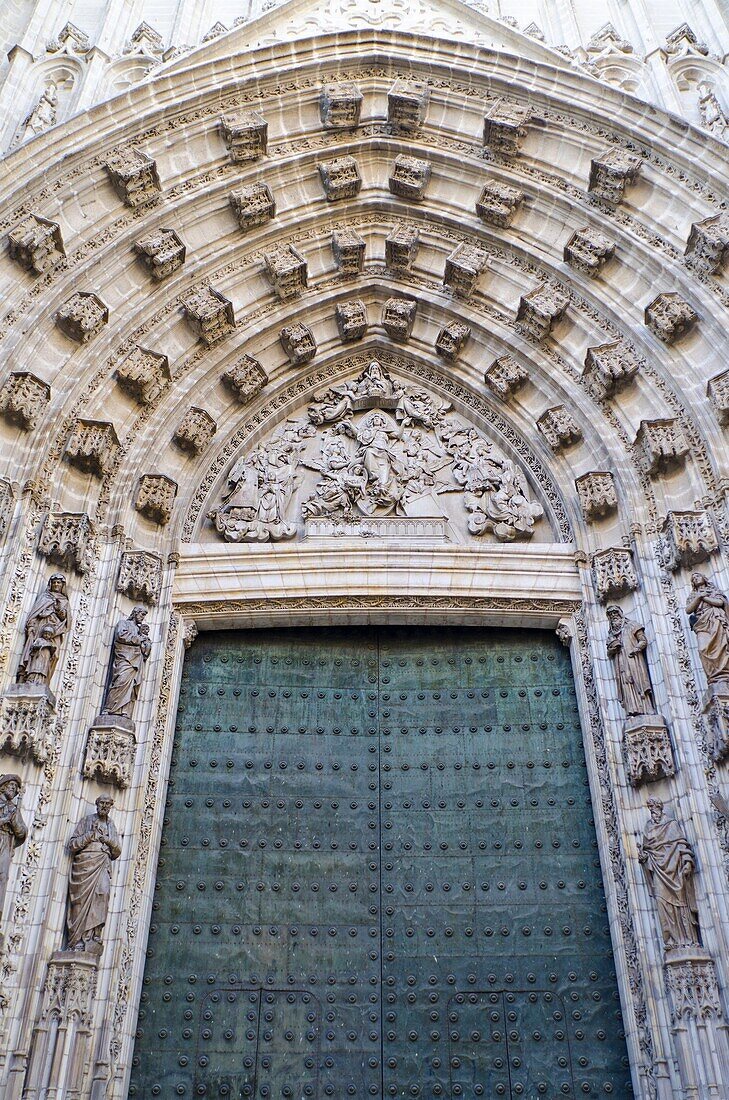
379, 875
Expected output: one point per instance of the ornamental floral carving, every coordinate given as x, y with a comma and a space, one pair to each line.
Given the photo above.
340, 106
610, 368
340, 178
195, 431
144, 375
613, 573
140, 576
348, 250
23, 399
351, 318
36, 244
253, 205
668, 316
505, 376
64, 539
707, 249
162, 252
689, 538
134, 176
398, 318
287, 271
401, 247
540, 310
82, 317
245, 378
505, 127
588, 250
245, 134
498, 203
717, 390
463, 267
611, 172
407, 105
93, 447
559, 428
209, 314
298, 342
663, 444
452, 339
597, 495
155, 497
409, 177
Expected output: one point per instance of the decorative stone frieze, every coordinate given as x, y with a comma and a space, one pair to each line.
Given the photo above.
27, 717
64, 539
287, 271
110, 751
253, 205
505, 376
611, 172
145, 375
24, 398
245, 134
7, 505
348, 250
340, 106
398, 318
505, 127
663, 444
36, 244
134, 176
559, 428
209, 314
452, 339
140, 576
155, 497
597, 494
689, 538
195, 431
82, 317
692, 984
588, 250
245, 378
407, 105
340, 178
298, 342
498, 203
351, 319
648, 751
161, 252
409, 177
613, 573
668, 316
93, 447
707, 249
463, 267
401, 247
717, 390
540, 310
609, 368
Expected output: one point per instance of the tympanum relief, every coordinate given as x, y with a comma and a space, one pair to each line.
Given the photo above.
376, 456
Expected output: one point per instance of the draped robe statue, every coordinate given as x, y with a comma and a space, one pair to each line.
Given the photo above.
669, 864
626, 646
45, 628
708, 609
129, 653
93, 846
13, 830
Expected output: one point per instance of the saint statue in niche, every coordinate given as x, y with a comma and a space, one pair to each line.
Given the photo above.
130, 652
13, 830
708, 610
45, 628
93, 846
669, 864
626, 647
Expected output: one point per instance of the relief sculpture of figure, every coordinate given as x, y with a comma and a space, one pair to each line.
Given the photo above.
93, 846
669, 864
45, 628
43, 115
708, 610
626, 646
129, 654
13, 830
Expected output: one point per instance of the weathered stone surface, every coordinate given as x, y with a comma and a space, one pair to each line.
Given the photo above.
195, 431
348, 250
209, 314
140, 575
162, 252
287, 271
36, 244
401, 247
598, 497
340, 178
27, 714
245, 378
407, 105
498, 203
452, 339
559, 428
610, 368
463, 267
340, 106
155, 497
717, 390
144, 375
693, 985
64, 539
690, 538
82, 317
298, 342
610, 174
540, 310
505, 376
398, 318
110, 752
253, 205
668, 316
93, 447
24, 398
134, 176
409, 177
245, 134
588, 250
613, 573
505, 127
648, 751
707, 249
351, 319
663, 444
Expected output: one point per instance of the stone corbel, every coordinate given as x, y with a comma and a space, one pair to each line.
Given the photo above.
28, 716
111, 747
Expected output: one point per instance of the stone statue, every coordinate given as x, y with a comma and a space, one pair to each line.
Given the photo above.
708, 611
93, 846
669, 864
13, 830
129, 653
626, 646
45, 627
43, 115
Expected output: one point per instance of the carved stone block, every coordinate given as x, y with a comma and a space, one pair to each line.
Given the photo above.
505, 127
161, 252
144, 375
340, 178
287, 271
155, 497
588, 250
597, 494
610, 367
690, 538
64, 539
613, 573
245, 134
401, 247
26, 722
110, 750
93, 447
140, 576
668, 316
611, 172
463, 267
195, 431
398, 318
540, 310
505, 376
717, 390
209, 314
245, 378
298, 342
452, 339
498, 203
253, 205
69, 990
559, 428
663, 444
82, 317
409, 177
24, 398
7, 505
36, 244
134, 176
348, 250
707, 249
716, 709
693, 986
340, 106
189, 632
648, 752
351, 319
407, 105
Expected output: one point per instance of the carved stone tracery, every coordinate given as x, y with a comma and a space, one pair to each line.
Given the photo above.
36, 244
24, 398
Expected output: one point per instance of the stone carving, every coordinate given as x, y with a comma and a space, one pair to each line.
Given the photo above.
498, 203
245, 379
610, 174
588, 250
13, 829
161, 252
540, 310
452, 339
94, 846
398, 318
134, 176
351, 317
626, 648
253, 205
648, 752
707, 249
145, 40
140, 575
693, 986
61, 1041
670, 865
70, 40
348, 250
36, 244
130, 651
47, 624
189, 632
209, 314
607, 38
195, 431
287, 271
26, 722
668, 316
663, 445
708, 611
505, 376
340, 106
559, 428
613, 573
145, 375
24, 398
683, 41
340, 178
712, 114
690, 538
596, 491
110, 753
401, 247
7, 505
717, 390
82, 317
43, 115
407, 105
64, 539
409, 177
610, 368
155, 497
245, 134
93, 447
505, 127
298, 342
463, 267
